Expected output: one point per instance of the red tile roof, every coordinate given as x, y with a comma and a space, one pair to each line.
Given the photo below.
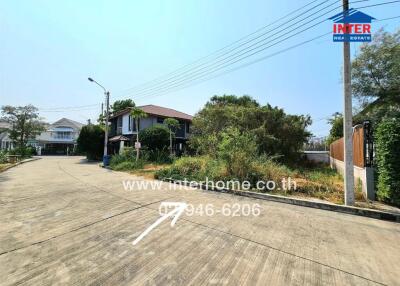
158, 111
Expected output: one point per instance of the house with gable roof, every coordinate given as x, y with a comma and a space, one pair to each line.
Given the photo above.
123, 126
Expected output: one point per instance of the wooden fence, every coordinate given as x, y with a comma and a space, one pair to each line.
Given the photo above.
336, 148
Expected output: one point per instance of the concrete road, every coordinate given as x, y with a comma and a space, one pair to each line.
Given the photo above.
66, 221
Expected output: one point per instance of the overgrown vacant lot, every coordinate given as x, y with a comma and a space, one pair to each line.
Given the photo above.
317, 181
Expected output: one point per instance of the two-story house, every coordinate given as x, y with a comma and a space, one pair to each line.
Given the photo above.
59, 137
123, 126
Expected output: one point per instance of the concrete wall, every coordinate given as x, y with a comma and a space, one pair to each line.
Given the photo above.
317, 156
365, 175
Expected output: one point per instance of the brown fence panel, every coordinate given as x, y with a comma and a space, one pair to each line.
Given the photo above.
337, 147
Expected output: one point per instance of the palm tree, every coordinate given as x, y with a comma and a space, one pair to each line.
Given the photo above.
137, 113
172, 124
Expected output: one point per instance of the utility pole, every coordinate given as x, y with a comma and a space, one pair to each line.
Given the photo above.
107, 93
347, 121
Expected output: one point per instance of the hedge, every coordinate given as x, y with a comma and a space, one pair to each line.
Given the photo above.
388, 161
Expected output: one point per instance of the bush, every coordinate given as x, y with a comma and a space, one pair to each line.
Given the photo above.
155, 137
128, 165
3, 158
238, 151
24, 152
127, 160
194, 168
388, 155
91, 141
160, 156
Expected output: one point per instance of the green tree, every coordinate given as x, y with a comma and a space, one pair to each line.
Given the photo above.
91, 141
376, 77
172, 125
25, 124
275, 132
123, 104
137, 113
116, 107
244, 100
336, 132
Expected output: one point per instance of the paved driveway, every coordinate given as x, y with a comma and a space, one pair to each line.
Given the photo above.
65, 221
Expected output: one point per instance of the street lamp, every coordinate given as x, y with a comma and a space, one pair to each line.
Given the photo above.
107, 94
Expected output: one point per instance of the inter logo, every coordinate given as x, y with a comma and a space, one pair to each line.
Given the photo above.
351, 26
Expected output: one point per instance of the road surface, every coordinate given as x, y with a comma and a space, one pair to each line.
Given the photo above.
66, 221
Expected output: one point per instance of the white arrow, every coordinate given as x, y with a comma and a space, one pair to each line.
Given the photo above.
176, 212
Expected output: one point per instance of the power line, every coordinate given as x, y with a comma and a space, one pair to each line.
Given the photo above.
390, 18
223, 48
244, 65
66, 107
172, 86
227, 61
67, 110
198, 68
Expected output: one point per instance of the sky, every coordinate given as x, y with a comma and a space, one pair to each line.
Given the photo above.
49, 49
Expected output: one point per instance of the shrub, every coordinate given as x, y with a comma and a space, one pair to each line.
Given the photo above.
160, 156
24, 152
194, 168
155, 137
91, 141
3, 158
238, 151
388, 155
128, 165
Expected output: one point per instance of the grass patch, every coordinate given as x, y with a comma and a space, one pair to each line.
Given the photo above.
4, 166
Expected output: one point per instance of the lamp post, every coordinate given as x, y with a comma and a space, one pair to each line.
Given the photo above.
107, 94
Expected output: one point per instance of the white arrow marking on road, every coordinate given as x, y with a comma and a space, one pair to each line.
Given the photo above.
176, 212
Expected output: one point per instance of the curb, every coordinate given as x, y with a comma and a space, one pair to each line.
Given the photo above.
376, 214
20, 163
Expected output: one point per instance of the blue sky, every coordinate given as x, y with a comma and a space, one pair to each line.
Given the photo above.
49, 48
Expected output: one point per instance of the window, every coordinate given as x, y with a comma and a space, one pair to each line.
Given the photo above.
130, 123
187, 127
160, 120
62, 135
134, 124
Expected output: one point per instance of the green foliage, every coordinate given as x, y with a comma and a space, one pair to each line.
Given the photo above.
336, 131
25, 123
172, 123
238, 151
24, 151
159, 156
388, 155
275, 132
127, 160
319, 182
194, 168
91, 141
3, 157
128, 165
376, 77
245, 100
120, 105
155, 137
138, 113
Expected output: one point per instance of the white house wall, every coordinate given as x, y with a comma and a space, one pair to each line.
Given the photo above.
144, 123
